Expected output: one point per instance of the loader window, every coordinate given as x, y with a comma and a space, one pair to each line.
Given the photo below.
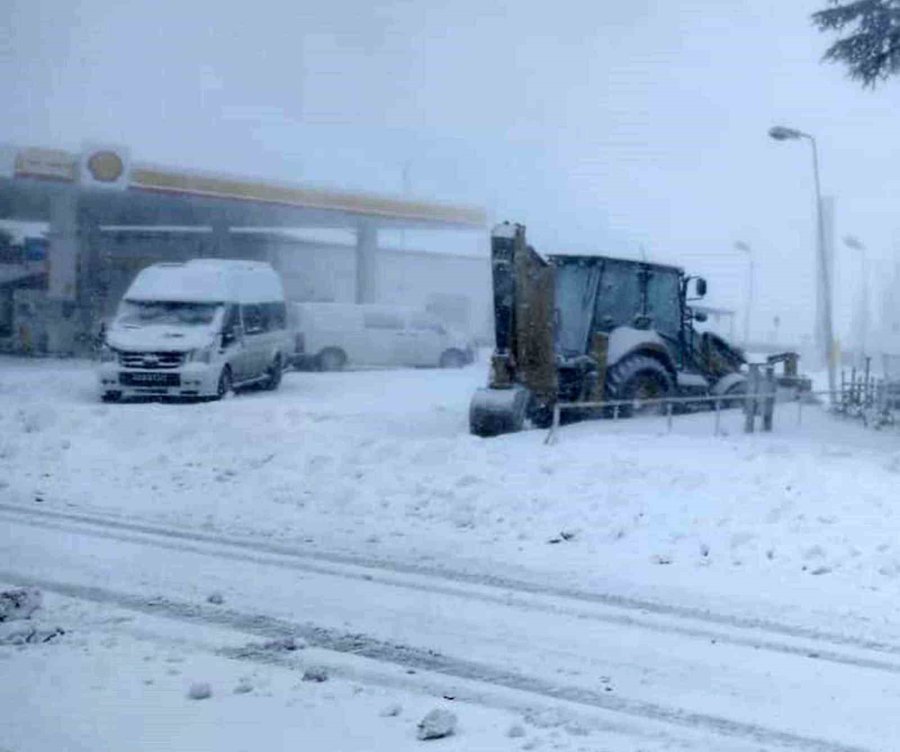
664, 303
619, 296
576, 289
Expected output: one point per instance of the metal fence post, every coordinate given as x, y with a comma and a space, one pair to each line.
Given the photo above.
769, 401
750, 401
554, 425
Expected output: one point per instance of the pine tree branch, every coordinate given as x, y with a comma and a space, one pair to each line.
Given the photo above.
871, 51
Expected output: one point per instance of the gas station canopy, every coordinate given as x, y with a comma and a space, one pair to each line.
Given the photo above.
111, 189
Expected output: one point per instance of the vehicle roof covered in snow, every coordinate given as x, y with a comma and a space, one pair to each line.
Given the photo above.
562, 259
208, 281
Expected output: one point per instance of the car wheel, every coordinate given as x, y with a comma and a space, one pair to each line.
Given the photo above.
332, 359
110, 396
452, 359
273, 375
226, 384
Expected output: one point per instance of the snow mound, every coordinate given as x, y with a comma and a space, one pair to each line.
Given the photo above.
17, 634
315, 674
437, 724
391, 711
20, 603
200, 691
516, 731
17, 606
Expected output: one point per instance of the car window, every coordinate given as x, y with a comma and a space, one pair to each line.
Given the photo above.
277, 315
254, 321
231, 319
424, 322
382, 320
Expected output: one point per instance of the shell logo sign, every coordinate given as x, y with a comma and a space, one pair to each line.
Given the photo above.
105, 166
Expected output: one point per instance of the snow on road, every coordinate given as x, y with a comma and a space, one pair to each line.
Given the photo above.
117, 680
673, 681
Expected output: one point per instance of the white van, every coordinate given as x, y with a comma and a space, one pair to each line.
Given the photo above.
330, 336
197, 329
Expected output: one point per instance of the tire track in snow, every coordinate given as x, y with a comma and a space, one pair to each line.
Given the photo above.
632, 612
406, 656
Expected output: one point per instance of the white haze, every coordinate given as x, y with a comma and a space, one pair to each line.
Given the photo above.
603, 126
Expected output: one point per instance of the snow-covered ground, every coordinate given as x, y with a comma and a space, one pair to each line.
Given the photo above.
380, 463
798, 526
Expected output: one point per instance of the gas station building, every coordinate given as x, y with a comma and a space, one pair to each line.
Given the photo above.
108, 217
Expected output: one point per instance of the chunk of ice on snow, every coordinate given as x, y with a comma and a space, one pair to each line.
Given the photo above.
437, 724
200, 691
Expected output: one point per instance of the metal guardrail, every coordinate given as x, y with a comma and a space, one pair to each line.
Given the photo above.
759, 399
754, 404
669, 403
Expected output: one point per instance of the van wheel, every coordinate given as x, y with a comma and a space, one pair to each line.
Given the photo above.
452, 359
226, 384
332, 359
273, 375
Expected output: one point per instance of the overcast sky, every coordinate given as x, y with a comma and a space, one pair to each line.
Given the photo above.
604, 126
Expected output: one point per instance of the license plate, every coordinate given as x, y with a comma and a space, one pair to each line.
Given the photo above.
151, 379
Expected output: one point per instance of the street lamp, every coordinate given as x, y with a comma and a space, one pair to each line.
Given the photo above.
781, 133
861, 318
744, 248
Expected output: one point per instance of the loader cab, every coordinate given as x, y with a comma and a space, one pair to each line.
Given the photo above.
600, 294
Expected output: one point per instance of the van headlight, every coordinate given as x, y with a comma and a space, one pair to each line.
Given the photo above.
200, 355
108, 355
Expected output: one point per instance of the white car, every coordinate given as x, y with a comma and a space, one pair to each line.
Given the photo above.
330, 336
197, 329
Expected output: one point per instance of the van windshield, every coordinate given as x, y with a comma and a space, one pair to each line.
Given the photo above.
154, 313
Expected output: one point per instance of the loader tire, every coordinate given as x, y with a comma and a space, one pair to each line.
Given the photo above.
637, 377
735, 395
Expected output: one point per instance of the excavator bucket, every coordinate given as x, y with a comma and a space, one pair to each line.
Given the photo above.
523, 374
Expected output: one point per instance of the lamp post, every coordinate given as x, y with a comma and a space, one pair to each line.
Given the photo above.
407, 166
744, 248
861, 317
781, 133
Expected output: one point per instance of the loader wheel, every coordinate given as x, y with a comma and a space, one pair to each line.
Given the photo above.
540, 414
734, 396
639, 377
332, 359
452, 358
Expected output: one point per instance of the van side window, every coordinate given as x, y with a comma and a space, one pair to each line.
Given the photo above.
382, 320
424, 323
254, 322
231, 319
277, 315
